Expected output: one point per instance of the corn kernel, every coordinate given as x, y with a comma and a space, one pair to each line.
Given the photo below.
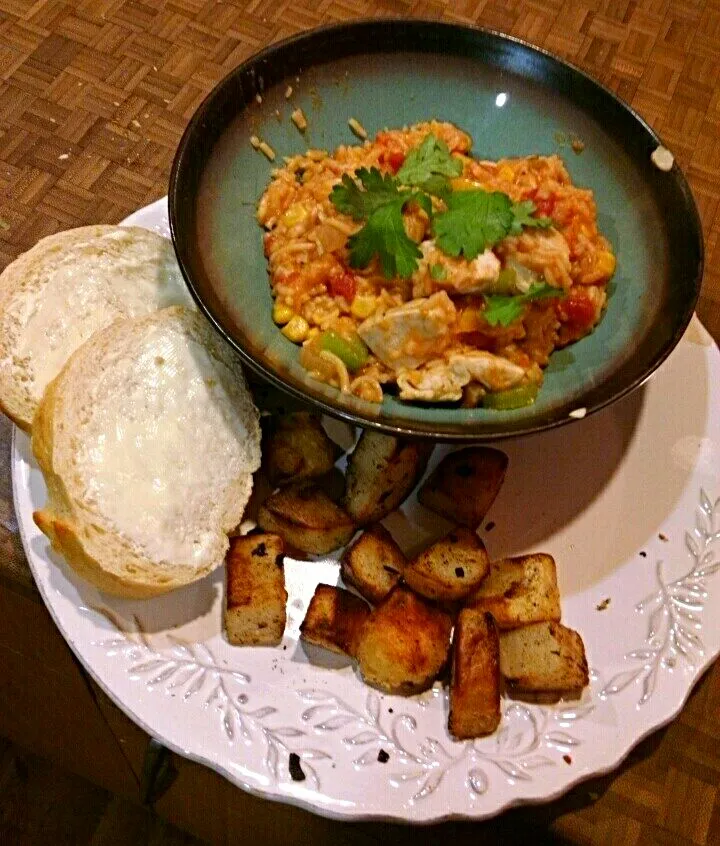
363, 305
297, 213
606, 263
296, 330
506, 173
460, 183
282, 314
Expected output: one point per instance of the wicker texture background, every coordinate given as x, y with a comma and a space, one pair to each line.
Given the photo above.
94, 96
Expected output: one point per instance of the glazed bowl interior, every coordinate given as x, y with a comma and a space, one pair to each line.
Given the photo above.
514, 100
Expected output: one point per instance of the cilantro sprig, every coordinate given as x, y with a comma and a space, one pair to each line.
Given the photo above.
379, 201
429, 166
473, 220
477, 219
504, 310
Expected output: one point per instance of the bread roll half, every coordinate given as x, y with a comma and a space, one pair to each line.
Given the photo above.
68, 286
147, 440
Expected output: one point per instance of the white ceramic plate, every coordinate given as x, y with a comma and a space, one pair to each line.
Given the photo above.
628, 502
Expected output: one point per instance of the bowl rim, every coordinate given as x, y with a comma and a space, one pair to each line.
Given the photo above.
457, 434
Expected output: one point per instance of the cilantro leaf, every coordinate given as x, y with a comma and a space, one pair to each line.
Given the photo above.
522, 217
384, 235
350, 199
431, 159
474, 220
504, 310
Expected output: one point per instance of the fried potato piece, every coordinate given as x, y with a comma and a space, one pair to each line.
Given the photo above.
451, 568
519, 591
373, 564
255, 592
475, 679
382, 470
464, 485
334, 619
306, 518
544, 658
404, 644
295, 447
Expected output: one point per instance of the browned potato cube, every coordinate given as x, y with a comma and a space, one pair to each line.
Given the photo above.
544, 658
296, 447
373, 564
334, 619
475, 680
382, 470
450, 569
306, 518
464, 485
519, 591
404, 644
256, 595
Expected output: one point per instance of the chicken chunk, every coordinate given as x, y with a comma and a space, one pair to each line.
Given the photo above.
411, 334
455, 275
443, 381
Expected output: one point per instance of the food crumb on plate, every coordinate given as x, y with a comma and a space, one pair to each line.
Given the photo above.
357, 128
577, 146
299, 119
288, 92
662, 158
578, 413
296, 771
383, 756
567, 759
601, 606
663, 537
262, 147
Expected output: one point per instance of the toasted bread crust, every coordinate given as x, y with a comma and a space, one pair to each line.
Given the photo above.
255, 591
334, 620
374, 564
475, 681
404, 644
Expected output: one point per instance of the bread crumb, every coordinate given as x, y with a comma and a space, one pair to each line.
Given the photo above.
357, 128
579, 413
601, 606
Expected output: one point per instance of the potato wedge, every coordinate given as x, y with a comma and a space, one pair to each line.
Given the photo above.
475, 679
451, 568
305, 517
544, 658
295, 447
255, 592
519, 591
404, 643
334, 619
464, 485
373, 564
382, 470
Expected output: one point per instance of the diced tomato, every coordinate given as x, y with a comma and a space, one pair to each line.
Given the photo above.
343, 285
393, 159
577, 309
545, 207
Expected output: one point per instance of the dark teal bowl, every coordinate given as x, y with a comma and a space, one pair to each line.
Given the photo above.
391, 73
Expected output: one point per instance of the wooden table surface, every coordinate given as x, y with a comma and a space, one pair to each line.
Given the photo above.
94, 97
